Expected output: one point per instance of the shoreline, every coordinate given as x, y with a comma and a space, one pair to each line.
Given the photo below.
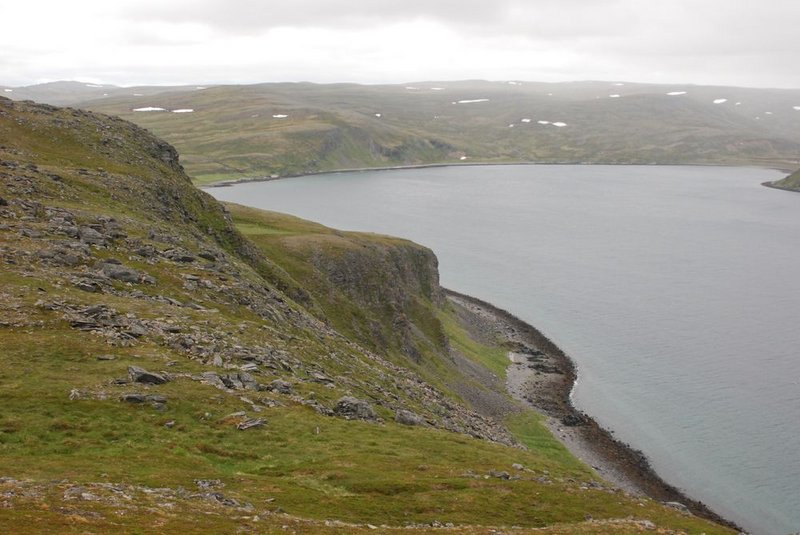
773, 185
616, 461
247, 180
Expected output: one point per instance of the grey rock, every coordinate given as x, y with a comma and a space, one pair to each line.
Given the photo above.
355, 409
280, 386
407, 417
250, 423
91, 236
678, 506
140, 375
120, 272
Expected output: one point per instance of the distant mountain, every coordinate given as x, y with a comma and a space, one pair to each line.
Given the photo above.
229, 132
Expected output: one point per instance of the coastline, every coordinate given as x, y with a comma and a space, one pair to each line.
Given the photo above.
615, 461
773, 185
247, 180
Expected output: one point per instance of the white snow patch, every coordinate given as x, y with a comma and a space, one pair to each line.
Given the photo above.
511, 125
93, 85
720, 100
514, 83
437, 88
377, 115
615, 95
559, 124
411, 88
199, 87
738, 104
149, 108
768, 112
105, 94
618, 84
543, 122
255, 115
472, 101
138, 95
526, 120
463, 158
549, 94
794, 107
279, 116
8, 90
183, 110
676, 93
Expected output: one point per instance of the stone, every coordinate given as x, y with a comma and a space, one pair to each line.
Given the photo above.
140, 375
91, 236
407, 417
280, 386
355, 409
106, 357
120, 272
572, 420
678, 506
250, 423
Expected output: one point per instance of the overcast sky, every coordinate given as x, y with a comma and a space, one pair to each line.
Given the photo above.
129, 42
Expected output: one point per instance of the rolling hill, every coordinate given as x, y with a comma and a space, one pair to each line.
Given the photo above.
263, 130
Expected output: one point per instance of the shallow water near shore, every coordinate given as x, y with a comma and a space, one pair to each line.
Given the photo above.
676, 290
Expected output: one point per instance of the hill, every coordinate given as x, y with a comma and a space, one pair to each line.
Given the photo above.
232, 132
791, 182
173, 365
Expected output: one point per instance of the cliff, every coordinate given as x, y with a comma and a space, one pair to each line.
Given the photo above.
172, 365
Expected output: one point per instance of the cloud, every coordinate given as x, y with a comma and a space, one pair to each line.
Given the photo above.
219, 41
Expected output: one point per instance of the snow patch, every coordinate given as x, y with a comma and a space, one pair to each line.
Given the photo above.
514, 83
463, 158
93, 85
618, 84
768, 112
138, 95
377, 115
559, 124
795, 107
720, 100
543, 122
472, 101
738, 104
149, 108
511, 125
280, 116
615, 95
437, 88
526, 120
676, 93
199, 87
183, 110
411, 88
8, 90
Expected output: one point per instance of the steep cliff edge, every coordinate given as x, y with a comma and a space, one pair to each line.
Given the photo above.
163, 372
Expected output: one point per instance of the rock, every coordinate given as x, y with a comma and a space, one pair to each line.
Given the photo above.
170, 424
140, 375
106, 357
91, 236
679, 506
354, 409
572, 420
120, 272
318, 377
500, 475
250, 423
517, 466
206, 484
282, 387
133, 398
30, 233
406, 417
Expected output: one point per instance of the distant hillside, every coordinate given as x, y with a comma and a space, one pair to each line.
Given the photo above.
229, 132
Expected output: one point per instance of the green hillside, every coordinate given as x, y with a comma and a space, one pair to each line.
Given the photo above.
791, 182
294, 128
170, 365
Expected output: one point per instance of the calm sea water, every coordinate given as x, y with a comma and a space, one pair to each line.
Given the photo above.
675, 289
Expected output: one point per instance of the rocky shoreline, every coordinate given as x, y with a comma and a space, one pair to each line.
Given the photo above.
543, 379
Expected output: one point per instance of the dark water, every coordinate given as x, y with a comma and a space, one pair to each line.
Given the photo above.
675, 289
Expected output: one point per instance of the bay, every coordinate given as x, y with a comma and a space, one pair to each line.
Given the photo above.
675, 289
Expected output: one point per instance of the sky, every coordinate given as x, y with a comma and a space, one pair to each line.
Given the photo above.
161, 42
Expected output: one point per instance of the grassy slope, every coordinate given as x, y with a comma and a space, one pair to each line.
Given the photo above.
790, 182
233, 133
93, 463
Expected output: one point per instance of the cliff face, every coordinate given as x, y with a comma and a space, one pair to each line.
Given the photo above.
168, 365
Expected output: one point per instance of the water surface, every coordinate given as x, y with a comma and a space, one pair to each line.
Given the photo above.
675, 289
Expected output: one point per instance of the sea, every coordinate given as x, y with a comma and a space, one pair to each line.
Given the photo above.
674, 289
